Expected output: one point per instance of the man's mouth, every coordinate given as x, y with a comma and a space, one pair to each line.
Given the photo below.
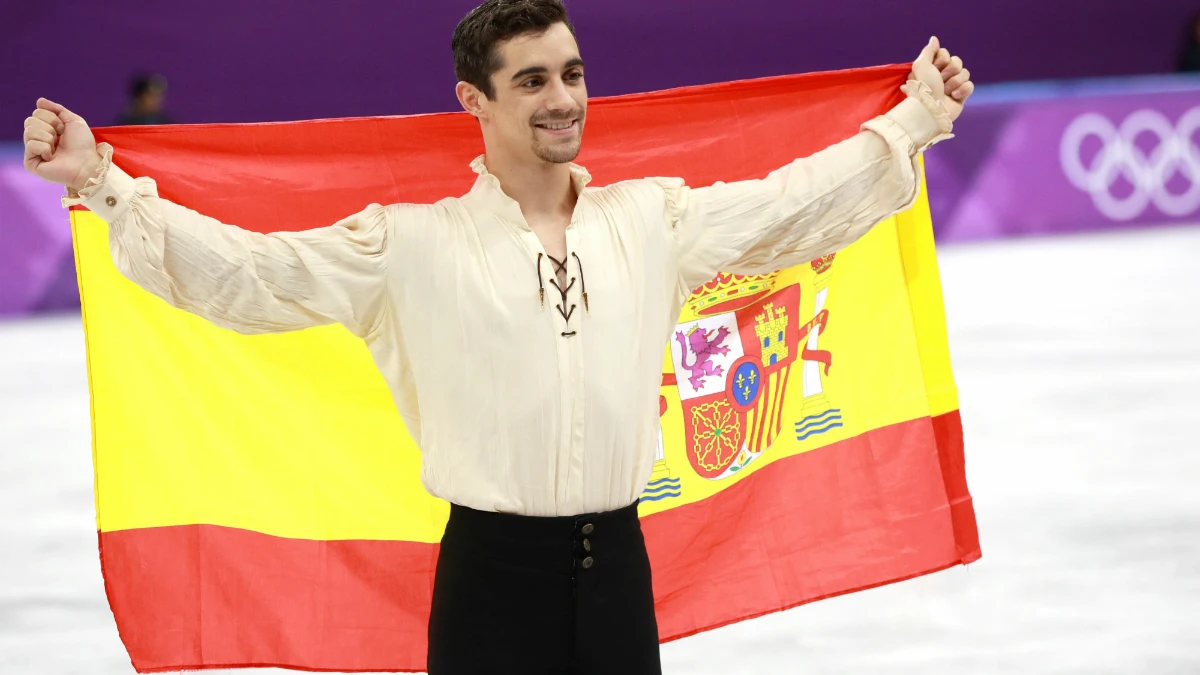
558, 128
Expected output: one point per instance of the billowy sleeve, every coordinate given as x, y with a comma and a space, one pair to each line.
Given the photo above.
238, 279
811, 207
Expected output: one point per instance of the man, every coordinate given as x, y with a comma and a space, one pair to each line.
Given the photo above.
147, 96
1189, 60
537, 303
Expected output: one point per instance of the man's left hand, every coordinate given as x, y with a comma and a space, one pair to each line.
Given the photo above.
945, 75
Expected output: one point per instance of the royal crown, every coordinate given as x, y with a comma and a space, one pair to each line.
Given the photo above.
822, 264
730, 292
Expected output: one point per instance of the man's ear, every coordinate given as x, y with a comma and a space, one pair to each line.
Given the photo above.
471, 99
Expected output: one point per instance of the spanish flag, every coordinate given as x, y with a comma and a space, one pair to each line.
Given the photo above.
258, 499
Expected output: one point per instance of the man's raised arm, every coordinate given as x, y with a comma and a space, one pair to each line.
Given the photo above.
824, 202
237, 279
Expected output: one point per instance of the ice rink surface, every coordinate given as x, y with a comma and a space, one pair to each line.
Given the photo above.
1078, 366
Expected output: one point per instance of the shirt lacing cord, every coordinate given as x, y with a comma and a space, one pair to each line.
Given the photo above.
561, 266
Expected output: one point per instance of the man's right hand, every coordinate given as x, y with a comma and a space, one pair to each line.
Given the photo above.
59, 146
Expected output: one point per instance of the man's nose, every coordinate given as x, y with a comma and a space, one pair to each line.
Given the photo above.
559, 98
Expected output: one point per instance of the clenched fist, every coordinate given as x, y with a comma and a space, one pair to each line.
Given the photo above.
59, 146
945, 75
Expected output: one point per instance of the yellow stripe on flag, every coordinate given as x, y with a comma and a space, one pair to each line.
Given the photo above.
293, 435
915, 235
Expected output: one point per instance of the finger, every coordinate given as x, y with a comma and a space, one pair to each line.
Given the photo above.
38, 123
964, 92
51, 119
39, 149
941, 59
34, 123
957, 81
929, 51
58, 109
953, 68
39, 133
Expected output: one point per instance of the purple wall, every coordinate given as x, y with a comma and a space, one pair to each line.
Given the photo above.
1063, 158
266, 60
37, 265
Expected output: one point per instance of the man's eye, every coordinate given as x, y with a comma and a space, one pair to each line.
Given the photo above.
530, 84
575, 76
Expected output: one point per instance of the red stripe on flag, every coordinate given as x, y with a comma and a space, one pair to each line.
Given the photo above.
860, 513
951, 455
204, 596
288, 176
853, 515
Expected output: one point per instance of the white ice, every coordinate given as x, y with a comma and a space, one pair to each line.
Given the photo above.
1079, 378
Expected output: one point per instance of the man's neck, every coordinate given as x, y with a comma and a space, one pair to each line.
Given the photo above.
543, 190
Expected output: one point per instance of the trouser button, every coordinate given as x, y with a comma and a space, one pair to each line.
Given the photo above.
587, 562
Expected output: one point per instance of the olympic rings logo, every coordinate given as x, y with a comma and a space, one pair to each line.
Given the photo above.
1120, 157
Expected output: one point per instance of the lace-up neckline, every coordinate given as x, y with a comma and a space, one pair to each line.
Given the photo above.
559, 279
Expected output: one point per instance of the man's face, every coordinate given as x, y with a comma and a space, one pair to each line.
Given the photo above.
540, 97
152, 101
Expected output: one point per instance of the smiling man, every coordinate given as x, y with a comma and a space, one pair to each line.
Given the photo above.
543, 567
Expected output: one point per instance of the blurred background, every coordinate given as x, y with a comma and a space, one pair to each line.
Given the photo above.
1066, 214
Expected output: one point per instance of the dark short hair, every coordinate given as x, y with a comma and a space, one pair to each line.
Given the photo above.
144, 83
476, 36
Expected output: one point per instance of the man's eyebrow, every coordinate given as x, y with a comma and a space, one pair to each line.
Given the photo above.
542, 70
531, 70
